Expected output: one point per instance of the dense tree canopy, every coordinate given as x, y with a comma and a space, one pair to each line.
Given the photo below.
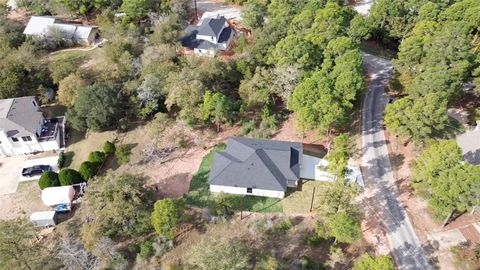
165, 217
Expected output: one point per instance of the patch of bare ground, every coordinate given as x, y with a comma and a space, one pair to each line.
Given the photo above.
289, 132
22, 203
170, 176
290, 246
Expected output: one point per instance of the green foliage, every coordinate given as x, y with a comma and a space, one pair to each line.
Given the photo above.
109, 148
218, 108
123, 153
256, 91
61, 160
118, 206
138, 9
367, 262
254, 13
295, 50
116, 48
97, 157
88, 169
282, 227
418, 119
69, 88
48, 179
19, 250
146, 249
69, 177
64, 65
268, 263
344, 227
437, 157
220, 253
165, 217
168, 31
97, 107
77, 6
339, 155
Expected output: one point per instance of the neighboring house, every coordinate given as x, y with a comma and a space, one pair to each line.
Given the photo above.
43, 26
212, 35
24, 130
265, 168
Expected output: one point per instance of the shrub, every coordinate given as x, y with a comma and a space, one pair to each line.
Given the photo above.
48, 179
146, 249
88, 170
69, 177
282, 227
61, 160
96, 157
123, 154
109, 148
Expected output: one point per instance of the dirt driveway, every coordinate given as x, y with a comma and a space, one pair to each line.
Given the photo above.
10, 169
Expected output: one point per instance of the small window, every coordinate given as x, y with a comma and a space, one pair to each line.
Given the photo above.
14, 139
34, 103
26, 138
249, 190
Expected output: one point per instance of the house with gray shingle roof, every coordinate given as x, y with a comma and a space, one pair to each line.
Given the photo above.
24, 129
212, 35
268, 168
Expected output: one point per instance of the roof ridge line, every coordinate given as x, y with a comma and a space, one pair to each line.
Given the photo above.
274, 165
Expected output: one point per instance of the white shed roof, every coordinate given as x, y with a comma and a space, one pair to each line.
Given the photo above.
38, 25
58, 195
42, 215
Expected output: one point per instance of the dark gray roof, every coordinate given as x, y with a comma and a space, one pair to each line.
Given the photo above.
211, 26
190, 39
253, 163
19, 116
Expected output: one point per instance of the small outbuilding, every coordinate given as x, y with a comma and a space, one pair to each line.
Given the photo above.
44, 218
53, 196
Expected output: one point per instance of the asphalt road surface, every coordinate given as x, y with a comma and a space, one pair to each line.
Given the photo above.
406, 249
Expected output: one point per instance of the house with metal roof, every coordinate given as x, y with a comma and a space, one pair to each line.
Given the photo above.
43, 26
267, 168
24, 129
210, 36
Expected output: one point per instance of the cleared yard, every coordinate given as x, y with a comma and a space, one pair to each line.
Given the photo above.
10, 172
22, 203
80, 145
298, 200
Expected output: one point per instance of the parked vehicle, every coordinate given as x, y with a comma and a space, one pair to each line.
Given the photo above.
44, 219
36, 170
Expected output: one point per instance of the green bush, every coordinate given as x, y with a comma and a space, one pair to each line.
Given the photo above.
48, 179
123, 154
88, 170
109, 148
61, 160
146, 249
69, 177
97, 157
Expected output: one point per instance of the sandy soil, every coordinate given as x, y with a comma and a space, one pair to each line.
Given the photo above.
22, 203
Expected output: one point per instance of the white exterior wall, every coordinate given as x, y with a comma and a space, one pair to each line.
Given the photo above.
243, 191
11, 148
49, 146
203, 52
207, 38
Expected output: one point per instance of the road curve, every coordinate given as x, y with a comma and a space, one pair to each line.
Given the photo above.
406, 249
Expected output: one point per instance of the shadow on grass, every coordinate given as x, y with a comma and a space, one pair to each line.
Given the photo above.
69, 158
199, 194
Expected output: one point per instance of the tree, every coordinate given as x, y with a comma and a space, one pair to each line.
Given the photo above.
217, 107
115, 205
254, 13
167, 31
418, 119
88, 170
96, 157
165, 217
109, 148
339, 155
367, 262
68, 89
98, 106
285, 80
457, 189
137, 9
80, 6
344, 227
256, 91
48, 179
338, 196
295, 50
69, 177
63, 66
19, 250
437, 157
220, 253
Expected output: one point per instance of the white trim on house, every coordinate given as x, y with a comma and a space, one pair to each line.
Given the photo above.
244, 191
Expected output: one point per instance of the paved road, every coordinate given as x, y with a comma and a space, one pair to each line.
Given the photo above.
404, 244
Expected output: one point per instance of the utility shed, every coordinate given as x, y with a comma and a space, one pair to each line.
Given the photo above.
53, 196
44, 218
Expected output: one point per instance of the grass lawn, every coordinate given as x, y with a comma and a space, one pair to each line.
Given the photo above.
299, 200
79, 146
200, 196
